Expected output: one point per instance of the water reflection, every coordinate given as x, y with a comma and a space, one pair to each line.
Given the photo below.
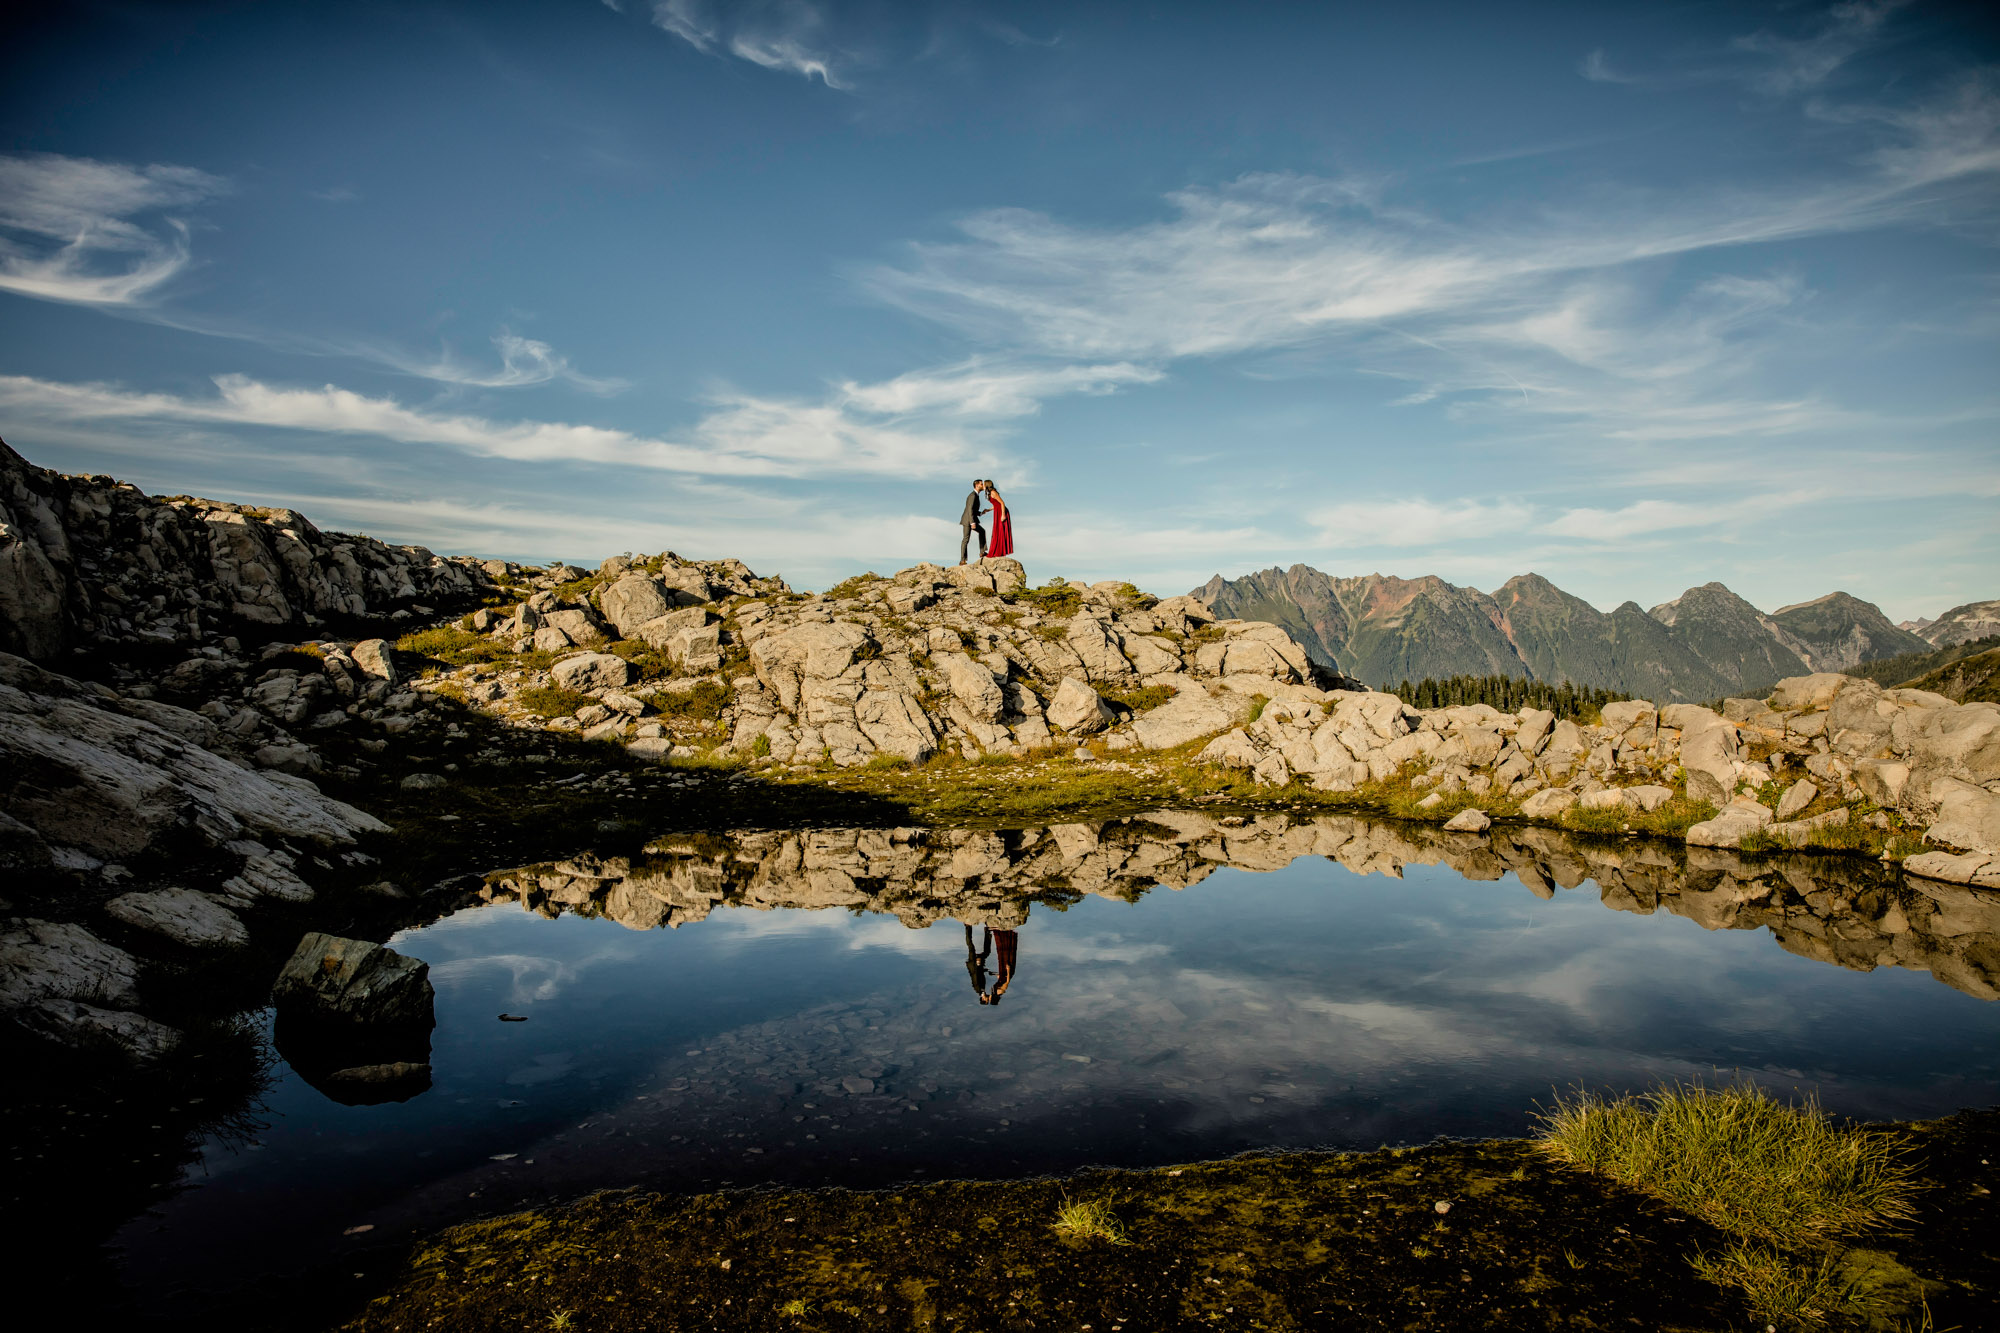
1840, 910
812, 1024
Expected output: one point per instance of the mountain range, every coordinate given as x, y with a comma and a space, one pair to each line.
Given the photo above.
1708, 643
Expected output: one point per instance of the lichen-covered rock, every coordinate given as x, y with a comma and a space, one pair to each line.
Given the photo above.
354, 983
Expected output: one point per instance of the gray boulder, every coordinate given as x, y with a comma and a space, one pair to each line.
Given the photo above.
1188, 716
374, 658
1968, 817
192, 919
85, 1026
1078, 709
1708, 753
973, 685
592, 671
1469, 821
633, 601
660, 631
354, 983
1549, 803
41, 960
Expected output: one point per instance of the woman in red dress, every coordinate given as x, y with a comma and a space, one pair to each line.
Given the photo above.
1002, 542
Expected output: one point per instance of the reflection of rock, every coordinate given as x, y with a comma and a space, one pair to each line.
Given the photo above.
348, 1006
1847, 912
372, 1085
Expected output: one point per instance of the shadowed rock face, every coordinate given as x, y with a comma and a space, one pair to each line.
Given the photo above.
1841, 911
91, 560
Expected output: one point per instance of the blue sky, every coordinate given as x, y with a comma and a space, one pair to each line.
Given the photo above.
1635, 297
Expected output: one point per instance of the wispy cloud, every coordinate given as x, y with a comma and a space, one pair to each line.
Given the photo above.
741, 436
920, 425
1773, 63
1554, 314
78, 230
980, 387
1391, 522
523, 361
785, 35
1788, 65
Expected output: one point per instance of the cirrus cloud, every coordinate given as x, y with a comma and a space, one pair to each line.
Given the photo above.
78, 230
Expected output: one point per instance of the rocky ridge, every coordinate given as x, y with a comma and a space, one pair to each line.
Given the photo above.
1700, 646
89, 562
1821, 740
1961, 624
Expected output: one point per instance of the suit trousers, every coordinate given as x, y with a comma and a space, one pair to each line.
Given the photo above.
965, 540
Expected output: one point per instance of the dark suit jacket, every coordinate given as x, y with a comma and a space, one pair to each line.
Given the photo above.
970, 518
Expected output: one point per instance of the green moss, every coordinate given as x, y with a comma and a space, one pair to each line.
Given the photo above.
854, 587
703, 703
453, 646
1141, 699
551, 700
650, 664
1055, 599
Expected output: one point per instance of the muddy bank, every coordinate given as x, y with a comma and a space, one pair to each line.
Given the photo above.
1453, 1235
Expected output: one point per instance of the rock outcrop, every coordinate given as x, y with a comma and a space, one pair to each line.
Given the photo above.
1849, 913
1934, 763
133, 803
88, 561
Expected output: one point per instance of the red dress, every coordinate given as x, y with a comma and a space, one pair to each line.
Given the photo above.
1002, 542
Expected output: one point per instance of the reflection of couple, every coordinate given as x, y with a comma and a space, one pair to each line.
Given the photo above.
968, 523
975, 962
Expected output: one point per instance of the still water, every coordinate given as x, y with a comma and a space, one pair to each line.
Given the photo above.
818, 1008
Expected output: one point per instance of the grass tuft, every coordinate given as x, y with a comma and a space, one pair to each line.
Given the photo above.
1782, 1292
1085, 1220
1781, 1174
453, 646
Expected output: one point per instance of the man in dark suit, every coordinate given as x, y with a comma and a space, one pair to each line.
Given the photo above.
968, 523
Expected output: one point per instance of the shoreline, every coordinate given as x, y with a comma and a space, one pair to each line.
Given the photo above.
1451, 1234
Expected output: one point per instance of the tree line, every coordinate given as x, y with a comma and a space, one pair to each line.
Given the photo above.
1509, 694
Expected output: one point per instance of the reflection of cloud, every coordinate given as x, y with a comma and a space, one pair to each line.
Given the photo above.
534, 978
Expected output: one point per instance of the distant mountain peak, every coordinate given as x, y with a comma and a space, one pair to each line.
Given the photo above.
1705, 643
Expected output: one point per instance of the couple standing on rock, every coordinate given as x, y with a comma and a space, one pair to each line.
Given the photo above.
968, 523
